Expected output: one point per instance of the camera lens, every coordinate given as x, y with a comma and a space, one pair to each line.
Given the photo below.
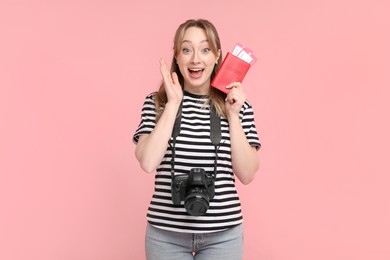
197, 203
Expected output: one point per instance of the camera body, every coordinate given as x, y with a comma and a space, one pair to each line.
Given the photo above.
196, 189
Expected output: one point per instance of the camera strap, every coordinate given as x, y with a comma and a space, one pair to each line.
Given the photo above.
215, 135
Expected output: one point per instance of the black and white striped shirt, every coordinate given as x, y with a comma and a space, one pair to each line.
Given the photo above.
195, 150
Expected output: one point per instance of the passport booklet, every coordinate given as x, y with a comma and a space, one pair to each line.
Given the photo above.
234, 67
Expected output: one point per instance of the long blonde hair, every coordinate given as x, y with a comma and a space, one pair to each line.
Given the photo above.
216, 97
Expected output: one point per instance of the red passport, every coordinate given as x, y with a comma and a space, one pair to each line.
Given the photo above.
233, 69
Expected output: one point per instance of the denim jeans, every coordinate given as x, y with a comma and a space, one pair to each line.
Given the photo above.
167, 245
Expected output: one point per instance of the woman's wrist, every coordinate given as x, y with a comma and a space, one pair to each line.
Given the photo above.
174, 105
232, 117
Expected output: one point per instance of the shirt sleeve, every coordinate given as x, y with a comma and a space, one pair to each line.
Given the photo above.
148, 118
249, 125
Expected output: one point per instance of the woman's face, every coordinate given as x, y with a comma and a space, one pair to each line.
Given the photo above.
196, 61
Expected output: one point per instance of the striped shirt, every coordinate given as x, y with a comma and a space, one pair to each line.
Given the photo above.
194, 149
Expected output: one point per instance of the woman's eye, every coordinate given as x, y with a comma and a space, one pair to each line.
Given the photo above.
186, 50
206, 50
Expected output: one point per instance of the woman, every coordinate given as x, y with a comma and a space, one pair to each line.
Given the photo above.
210, 225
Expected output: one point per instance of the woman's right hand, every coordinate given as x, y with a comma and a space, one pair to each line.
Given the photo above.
151, 148
171, 84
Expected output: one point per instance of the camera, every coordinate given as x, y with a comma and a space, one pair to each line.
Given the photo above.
196, 189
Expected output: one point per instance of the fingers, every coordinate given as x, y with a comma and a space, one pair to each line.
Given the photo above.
169, 79
234, 97
171, 82
236, 93
175, 78
234, 85
165, 72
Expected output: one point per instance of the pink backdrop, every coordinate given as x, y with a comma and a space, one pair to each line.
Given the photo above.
73, 77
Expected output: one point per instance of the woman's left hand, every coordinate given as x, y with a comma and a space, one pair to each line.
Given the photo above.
244, 157
234, 100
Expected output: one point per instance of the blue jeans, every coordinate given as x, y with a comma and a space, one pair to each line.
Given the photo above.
167, 245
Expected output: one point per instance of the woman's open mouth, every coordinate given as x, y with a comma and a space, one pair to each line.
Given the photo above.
196, 73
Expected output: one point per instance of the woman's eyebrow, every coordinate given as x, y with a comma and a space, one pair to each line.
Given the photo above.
188, 41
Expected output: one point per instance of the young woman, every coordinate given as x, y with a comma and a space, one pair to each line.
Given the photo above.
195, 211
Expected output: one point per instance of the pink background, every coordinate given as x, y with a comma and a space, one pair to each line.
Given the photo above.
73, 77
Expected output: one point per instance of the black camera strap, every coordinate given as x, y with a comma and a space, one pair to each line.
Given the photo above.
215, 135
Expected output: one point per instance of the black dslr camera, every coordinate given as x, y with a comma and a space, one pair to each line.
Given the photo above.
196, 189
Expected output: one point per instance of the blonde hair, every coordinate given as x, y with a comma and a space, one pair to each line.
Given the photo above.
216, 97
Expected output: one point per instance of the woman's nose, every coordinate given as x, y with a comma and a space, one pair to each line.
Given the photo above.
195, 58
